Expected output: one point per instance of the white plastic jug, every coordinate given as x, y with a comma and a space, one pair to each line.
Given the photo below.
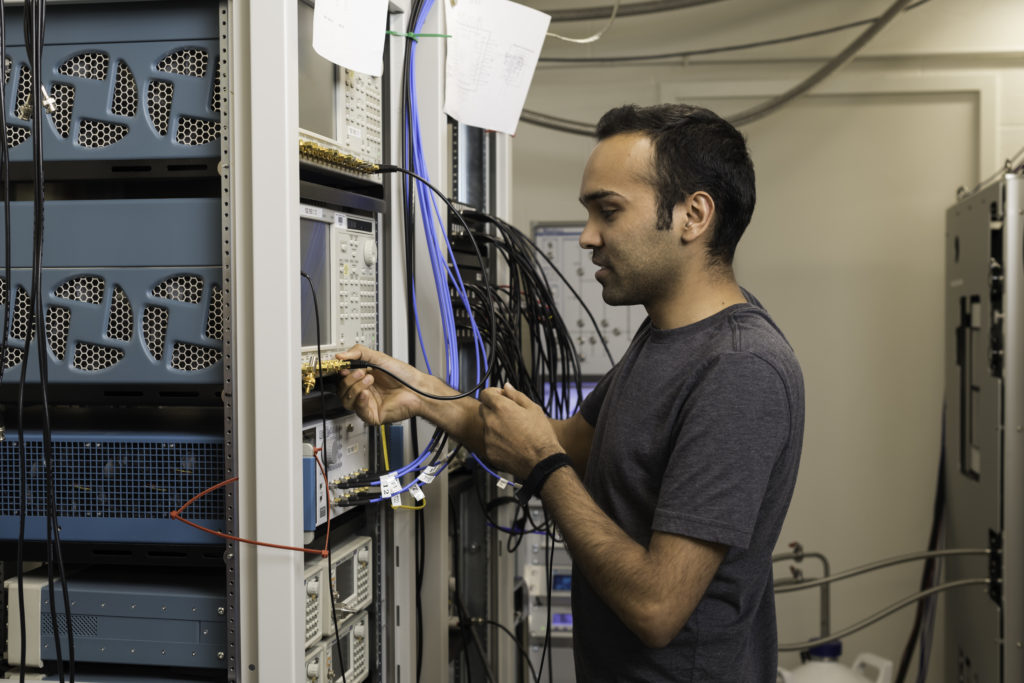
833, 672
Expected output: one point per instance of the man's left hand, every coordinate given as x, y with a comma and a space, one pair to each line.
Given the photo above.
517, 433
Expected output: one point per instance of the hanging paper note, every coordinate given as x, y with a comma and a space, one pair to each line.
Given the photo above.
350, 33
492, 54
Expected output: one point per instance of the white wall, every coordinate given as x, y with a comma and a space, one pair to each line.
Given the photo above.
846, 245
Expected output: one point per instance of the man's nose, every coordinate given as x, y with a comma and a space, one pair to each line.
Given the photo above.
590, 238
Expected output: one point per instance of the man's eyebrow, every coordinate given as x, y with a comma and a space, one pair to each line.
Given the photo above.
597, 194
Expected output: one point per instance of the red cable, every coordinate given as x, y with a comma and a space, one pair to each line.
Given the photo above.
176, 514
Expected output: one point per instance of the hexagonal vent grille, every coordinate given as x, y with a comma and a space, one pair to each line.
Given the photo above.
154, 330
194, 132
14, 356
215, 316
64, 95
97, 134
88, 289
58, 322
17, 135
20, 320
24, 93
187, 289
126, 92
119, 326
91, 65
186, 62
158, 104
93, 357
215, 97
193, 357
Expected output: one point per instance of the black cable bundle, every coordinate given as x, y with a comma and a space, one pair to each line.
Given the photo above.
34, 25
527, 308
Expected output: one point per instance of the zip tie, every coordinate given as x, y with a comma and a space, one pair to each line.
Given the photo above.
414, 36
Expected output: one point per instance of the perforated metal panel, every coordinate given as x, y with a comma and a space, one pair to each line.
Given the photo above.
91, 322
187, 62
193, 132
17, 135
58, 322
92, 65
185, 288
84, 625
21, 319
24, 93
192, 357
215, 318
215, 98
154, 330
120, 325
98, 91
93, 357
64, 96
97, 134
87, 289
117, 487
158, 104
139, 323
14, 357
126, 92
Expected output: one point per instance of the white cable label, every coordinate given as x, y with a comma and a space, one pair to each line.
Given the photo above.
429, 473
417, 492
502, 483
389, 485
396, 500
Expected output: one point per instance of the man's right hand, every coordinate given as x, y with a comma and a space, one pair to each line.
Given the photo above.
374, 396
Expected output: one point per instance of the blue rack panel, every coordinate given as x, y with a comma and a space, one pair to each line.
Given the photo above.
130, 82
131, 290
117, 486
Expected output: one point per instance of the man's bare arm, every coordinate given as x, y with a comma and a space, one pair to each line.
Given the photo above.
576, 435
653, 590
378, 399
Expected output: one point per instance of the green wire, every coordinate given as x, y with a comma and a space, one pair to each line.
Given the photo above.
414, 36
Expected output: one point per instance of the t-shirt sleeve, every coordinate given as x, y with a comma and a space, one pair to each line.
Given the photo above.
732, 429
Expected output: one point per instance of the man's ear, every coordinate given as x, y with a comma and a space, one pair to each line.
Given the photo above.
694, 216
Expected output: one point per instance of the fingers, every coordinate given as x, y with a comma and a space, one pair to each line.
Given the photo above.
516, 395
354, 385
492, 397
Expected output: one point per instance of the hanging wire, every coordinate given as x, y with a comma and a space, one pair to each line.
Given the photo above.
595, 37
686, 54
631, 10
765, 108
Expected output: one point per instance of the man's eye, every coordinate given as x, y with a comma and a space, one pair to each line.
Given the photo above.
607, 214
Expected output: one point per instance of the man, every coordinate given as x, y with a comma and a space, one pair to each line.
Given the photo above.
685, 456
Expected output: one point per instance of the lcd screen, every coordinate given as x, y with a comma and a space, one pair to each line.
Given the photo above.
314, 247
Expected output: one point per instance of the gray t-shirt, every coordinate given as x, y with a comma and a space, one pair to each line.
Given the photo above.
698, 432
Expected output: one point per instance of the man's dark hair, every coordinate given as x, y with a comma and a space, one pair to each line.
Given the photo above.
694, 149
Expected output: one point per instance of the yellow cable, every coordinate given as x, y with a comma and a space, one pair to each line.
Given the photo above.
413, 507
384, 444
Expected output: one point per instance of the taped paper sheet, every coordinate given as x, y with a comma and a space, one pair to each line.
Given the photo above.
351, 33
492, 54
